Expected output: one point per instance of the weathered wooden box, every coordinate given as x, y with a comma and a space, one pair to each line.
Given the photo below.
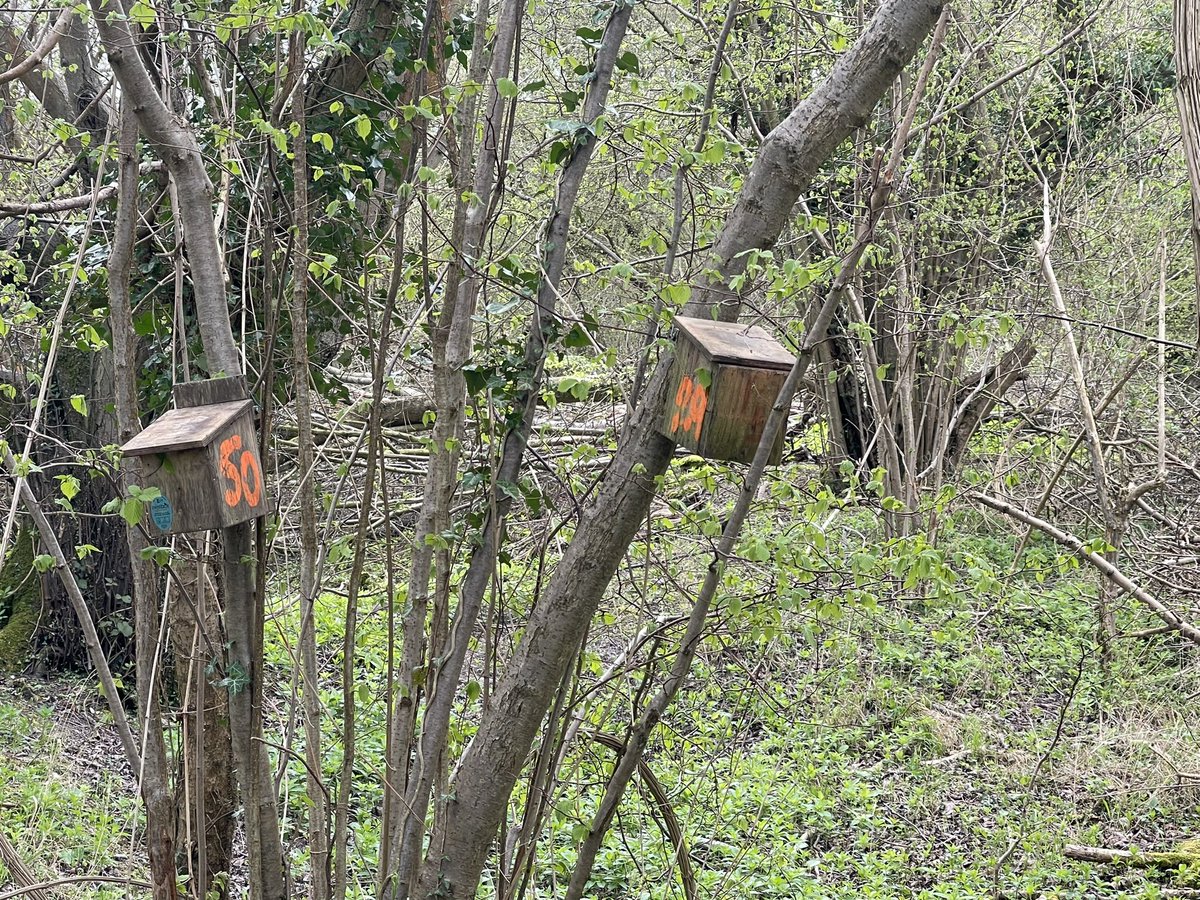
724, 382
203, 458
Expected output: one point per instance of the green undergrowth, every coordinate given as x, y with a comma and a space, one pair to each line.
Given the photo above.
868, 718
883, 719
65, 804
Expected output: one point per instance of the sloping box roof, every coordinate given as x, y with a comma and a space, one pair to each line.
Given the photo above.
189, 428
732, 344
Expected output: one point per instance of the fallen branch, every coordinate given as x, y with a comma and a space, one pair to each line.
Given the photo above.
75, 879
20, 872
669, 822
1066, 539
1147, 632
1143, 860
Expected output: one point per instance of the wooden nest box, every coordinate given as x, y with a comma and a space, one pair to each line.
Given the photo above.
724, 382
203, 458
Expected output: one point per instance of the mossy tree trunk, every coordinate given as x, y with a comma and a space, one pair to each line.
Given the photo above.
20, 603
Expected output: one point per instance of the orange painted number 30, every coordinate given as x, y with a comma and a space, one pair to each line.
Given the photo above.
244, 477
691, 402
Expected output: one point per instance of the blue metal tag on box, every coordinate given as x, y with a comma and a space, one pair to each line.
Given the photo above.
161, 512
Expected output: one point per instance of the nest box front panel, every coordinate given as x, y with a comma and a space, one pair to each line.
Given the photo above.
204, 461
686, 416
241, 491
724, 381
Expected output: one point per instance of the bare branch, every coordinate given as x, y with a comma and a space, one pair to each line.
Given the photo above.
1106, 568
42, 50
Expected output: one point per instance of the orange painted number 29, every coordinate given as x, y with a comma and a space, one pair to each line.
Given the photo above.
244, 477
691, 402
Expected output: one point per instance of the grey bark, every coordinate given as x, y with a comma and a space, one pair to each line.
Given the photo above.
451, 351
154, 777
788, 160
174, 143
543, 322
318, 818
1186, 33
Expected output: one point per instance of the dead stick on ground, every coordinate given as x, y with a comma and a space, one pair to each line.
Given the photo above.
1148, 859
20, 872
74, 879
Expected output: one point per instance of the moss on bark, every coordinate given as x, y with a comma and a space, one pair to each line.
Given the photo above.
20, 604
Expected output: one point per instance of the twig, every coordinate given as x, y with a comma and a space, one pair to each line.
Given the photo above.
53, 36
1191, 632
66, 204
20, 872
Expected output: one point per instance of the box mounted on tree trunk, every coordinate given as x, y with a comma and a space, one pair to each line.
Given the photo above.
724, 382
203, 458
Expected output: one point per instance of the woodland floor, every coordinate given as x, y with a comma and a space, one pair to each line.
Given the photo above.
905, 768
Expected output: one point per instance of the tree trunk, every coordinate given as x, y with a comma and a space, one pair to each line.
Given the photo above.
1187, 98
789, 158
154, 777
175, 143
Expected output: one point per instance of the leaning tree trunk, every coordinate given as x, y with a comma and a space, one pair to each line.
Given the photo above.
786, 164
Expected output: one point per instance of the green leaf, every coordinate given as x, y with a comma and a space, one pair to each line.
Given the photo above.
578, 337
757, 551
507, 87
142, 13
69, 485
677, 294
362, 127
160, 556
43, 562
79, 404
131, 511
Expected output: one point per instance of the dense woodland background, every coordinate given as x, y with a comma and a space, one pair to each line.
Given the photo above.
498, 636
